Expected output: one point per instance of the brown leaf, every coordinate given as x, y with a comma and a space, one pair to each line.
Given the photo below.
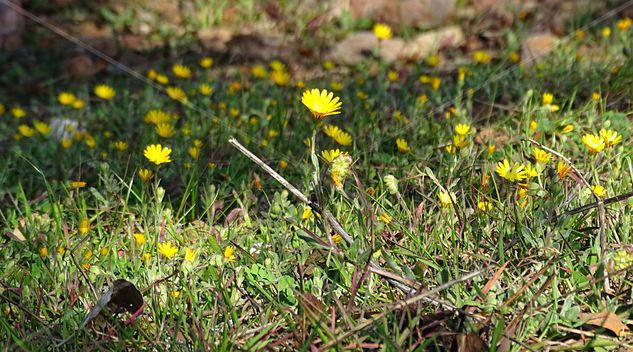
607, 320
470, 342
16, 234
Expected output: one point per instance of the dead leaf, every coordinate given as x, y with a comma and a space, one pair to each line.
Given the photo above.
16, 234
470, 342
607, 320
536, 47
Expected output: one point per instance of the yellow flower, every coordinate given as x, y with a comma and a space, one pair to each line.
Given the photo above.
328, 65
515, 57
259, 71
594, 143
156, 117
562, 169
277, 65
322, 103
599, 191
43, 251
181, 71
157, 154
66, 98
531, 171
481, 57
206, 62
234, 87
175, 293
177, 94
88, 255
386, 218
194, 152
460, 141
120, 146
567, 129
403, 146
392, 75
139, 238
450, 149
283, 164
42, 127
205, 89
422, 99
307, 213
595, 96
66, 143
84, 226
462, 129
343, 138
624, 23
382, 31
61, 250
18, 112
280, 78
435, 83
104, 251
146, 257
2, 109
165, 130
491, 149
512, 173
167, 250
484, 206
145, 174
26, 130
151, 74
104, 92
533, 125
541, 156
228, 253
90, 141
446, 198
606, 32
190, 255
337, 238
337, 86
77, 184
86, 266
331, 131
162, 79
78, 104
433, 60
610, 137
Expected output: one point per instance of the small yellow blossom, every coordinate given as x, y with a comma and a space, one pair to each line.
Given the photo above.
206, 62
403, 146
460, 141
181, 71
481, 57
462, 129
104, 92
85, 266
567, 129
594, 143
599, 191
205, 89
484, 206
139, 239
177, 94
120, 146
194, 152
175, 294
624, 23
595, 96
145, 174
281, 78
18, 112
392, 76
84, 226
26, 131
533, 125
382, 31
531, 171
228, 254
343, 138
61, 250
259, 71
610, 137
422, 99
283, 164
156, 116
605, 32
491, 149
43, 251
162, 79
541, 156
151, 74
88, 255
446, 198
512, 173
562, 169
331, 131
433, 60
386, 218
337, 238
336, 86
77, 184
165, 130
190, 255
277, 65
157, 154
104, 251
66, 98
307, 213
146, 257
167, 250
435, 83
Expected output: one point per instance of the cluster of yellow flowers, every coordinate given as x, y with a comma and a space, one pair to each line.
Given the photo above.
605, 139
461, 137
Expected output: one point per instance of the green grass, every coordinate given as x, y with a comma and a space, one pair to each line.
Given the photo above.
539, 270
